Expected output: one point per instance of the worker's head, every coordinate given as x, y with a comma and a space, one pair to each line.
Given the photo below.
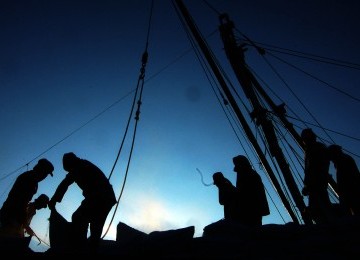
241, 163
218, 177
43, 168
69, 161
41, 201
334, 152
308, 136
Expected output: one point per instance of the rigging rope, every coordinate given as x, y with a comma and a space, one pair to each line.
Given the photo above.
202, 178
140, 86
316, 78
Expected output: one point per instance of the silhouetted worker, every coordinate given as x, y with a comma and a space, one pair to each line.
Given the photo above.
40, 202
227, 196
13, 213
251, 193
316, 171
99, 198
348, 180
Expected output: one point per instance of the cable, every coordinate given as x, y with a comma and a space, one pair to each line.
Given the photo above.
140, 86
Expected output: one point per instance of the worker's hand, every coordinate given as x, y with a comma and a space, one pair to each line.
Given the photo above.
51, 204
29, 231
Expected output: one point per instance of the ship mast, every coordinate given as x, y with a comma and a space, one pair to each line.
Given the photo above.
252, 89
260, 114
249, 85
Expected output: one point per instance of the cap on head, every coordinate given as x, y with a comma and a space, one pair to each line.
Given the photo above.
46, 166
68, 160
241, 160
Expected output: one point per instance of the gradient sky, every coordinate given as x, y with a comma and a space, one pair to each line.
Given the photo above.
68, 71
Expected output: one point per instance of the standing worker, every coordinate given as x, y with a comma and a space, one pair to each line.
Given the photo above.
316, 172
13, 213
251, 193
99, 198
227, 196
348, 180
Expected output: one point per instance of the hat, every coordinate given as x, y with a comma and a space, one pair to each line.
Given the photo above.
46, 166
241, 160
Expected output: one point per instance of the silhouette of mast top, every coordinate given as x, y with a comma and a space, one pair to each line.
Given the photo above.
261, 115
249, 84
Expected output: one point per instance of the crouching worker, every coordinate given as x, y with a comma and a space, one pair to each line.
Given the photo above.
40, 203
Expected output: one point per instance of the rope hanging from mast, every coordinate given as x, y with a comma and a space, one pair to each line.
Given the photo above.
139, 89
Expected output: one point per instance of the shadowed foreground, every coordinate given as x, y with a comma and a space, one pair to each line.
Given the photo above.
222, 239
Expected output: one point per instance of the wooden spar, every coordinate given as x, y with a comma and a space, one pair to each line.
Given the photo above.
247, 81
233, 103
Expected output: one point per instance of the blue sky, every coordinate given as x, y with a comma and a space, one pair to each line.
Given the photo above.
69, 70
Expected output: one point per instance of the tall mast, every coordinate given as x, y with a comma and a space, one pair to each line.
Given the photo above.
249, 84
233, 103
230, 48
